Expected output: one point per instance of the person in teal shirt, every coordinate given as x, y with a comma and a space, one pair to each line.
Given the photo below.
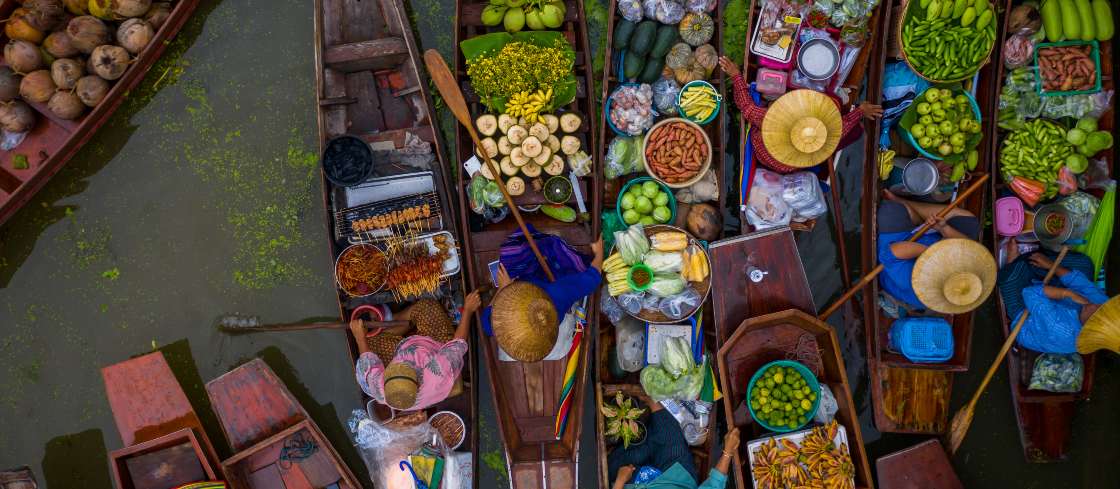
666, 454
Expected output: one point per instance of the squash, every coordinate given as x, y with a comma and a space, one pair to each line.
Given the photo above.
697, 28
1088, 25
1052, 20
642, 41
652, 70
1102, 11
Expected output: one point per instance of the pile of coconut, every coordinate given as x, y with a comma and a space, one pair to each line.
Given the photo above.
67, 53
528, 148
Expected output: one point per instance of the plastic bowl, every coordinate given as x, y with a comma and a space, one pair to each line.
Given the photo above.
703, 168
638, 267
638, 181
332, 171
911, 115
715, 113
607, 112
810, 379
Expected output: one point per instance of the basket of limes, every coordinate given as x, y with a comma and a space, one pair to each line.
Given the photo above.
647, 201
783, 396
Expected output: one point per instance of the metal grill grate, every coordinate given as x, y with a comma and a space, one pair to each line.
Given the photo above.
401, 216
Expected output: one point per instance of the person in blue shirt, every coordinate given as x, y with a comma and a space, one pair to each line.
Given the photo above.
897, 220
664, 460
1057, 312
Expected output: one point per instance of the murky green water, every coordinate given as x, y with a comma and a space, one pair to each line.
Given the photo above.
200, 198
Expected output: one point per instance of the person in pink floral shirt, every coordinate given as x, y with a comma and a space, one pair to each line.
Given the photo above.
423, 371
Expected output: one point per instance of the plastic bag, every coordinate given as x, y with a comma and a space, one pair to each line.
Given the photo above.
383, 448
665, 11
580, 163
678, 306
706, 56
1076, 106
704, 190
826, 411
1018, 51
660, 383
1067, 181
632, 302
475, 193
620, 157
1029, 190
765, 206
1057, 373
802, 191
699, 6
610, 306
666, 284
694, 418
632, 109
631, 10
665, 93
630, 344
650, 302
663, 261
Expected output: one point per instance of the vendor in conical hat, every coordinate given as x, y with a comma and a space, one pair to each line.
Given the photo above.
897, 219
527, 310
801, 129
1058, 310
422, 369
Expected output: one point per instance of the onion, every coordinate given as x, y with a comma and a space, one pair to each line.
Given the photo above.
109, 61
59, 45
45, 15
9, 84
23, 56
66, 72
87, 32
37, 86
134, 35
19, 27
92, 89
158, 14
16, 116
66, 105
124, 9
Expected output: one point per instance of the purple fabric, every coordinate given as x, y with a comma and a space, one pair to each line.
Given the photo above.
517, 256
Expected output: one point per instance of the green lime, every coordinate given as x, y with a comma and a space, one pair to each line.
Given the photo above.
778, 378
806, 405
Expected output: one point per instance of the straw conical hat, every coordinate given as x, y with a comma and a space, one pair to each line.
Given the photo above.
401, 386
802, 128
954, 276
1102, 329
524, 321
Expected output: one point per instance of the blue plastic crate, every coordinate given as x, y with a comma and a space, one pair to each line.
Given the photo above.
923, 339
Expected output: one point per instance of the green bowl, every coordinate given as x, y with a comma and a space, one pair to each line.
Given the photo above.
810, 379
630, 277
638, 181
910, 117
718, 99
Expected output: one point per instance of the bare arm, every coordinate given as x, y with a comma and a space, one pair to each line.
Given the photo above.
597, 248
730, 446
624, 474
470, 307
907, 250
358, 328
1058, 293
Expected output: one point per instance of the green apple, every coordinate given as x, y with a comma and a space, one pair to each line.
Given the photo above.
650, 189
643, 205
631, 216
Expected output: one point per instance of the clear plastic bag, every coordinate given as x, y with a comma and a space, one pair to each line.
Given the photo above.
665, 93
676, 307
694, 418
802, 191
699, 6
383, 449
1076, 106
1018, 50
704, 190
631, 10
1057, 373
682, 384
580, 163
765, 207
664, 11
475, 193
610, 306
630, 344
651, 302
632, 109
619, 158
827, 410
631, 302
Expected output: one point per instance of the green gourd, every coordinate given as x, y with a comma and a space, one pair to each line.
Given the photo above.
959, 7
1052, 20
622, 33
559, 212
642, 41
1102, 12
632, 65
1088, 25
652, 70
666, 38
1071, 20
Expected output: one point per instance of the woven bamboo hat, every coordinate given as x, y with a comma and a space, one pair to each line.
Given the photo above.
954, 276
1102, 329
524, 321
802, 128
401, 385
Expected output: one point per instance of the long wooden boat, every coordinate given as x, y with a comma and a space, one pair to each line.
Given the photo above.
863, 67
18, 478
934, 471
527, 396
164, 442
764, 311
276, 444
53, 141
607, 382
909, 397
368, 85
1045, 418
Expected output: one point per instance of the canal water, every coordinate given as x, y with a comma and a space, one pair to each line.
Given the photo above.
200, 198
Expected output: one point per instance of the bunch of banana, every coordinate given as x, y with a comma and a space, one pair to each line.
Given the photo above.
838, 471
767, 469
694, 266
529, 104
793, 473
698, 102
886, 163
616, 272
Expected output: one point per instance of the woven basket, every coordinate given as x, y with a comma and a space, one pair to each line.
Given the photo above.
703, 288
897, 44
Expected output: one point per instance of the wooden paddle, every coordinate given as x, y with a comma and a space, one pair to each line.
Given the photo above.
251, 324
453, 97
963, 419
976, 185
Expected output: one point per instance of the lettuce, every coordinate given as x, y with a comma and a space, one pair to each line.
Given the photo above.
666, 284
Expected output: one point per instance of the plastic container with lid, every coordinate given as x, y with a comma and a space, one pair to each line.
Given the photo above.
771, 83
923, 339
1009, 216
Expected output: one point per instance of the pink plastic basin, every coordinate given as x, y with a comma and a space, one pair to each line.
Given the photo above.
1009, 216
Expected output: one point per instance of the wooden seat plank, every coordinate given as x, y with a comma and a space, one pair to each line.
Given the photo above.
376, 54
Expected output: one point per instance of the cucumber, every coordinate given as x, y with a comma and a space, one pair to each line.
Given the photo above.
933, 10
642, 41
923, 4
559, 212
1102, 12
981, 6
1071, 20
666, 38
947, 9
1088, 25
1052, 20
632, 65
622, 33
984, 19
652, 70
959, 6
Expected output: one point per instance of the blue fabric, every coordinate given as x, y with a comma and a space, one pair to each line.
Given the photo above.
678, 478
1053, 325
1020, 274
895, 279
900, 87
646, 474
564, 292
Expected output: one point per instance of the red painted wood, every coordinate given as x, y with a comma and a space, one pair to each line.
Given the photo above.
897, 470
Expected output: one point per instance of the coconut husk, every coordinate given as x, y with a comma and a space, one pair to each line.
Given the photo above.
802, 128
525, 321
954, 276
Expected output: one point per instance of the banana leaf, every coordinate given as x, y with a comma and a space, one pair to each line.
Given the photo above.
563, 91
1100, 232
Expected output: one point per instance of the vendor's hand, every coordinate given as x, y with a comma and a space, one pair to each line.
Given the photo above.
871, 111
597, 247
471, 304
503, 276
358, 328
936, 222
1041, 261
626, 472
731, 441
1075, 297
730, 68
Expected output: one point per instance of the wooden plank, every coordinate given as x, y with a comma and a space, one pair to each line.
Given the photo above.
375, 54
168, 461
923, 466
252, 404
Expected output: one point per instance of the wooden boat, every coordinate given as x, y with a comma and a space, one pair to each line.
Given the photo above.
897, 470
527, 395
164, 442
909, 397
606, 382
1045, 418
862, 68
18, 478
276, 444
764, 320
53, 141
368, 85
